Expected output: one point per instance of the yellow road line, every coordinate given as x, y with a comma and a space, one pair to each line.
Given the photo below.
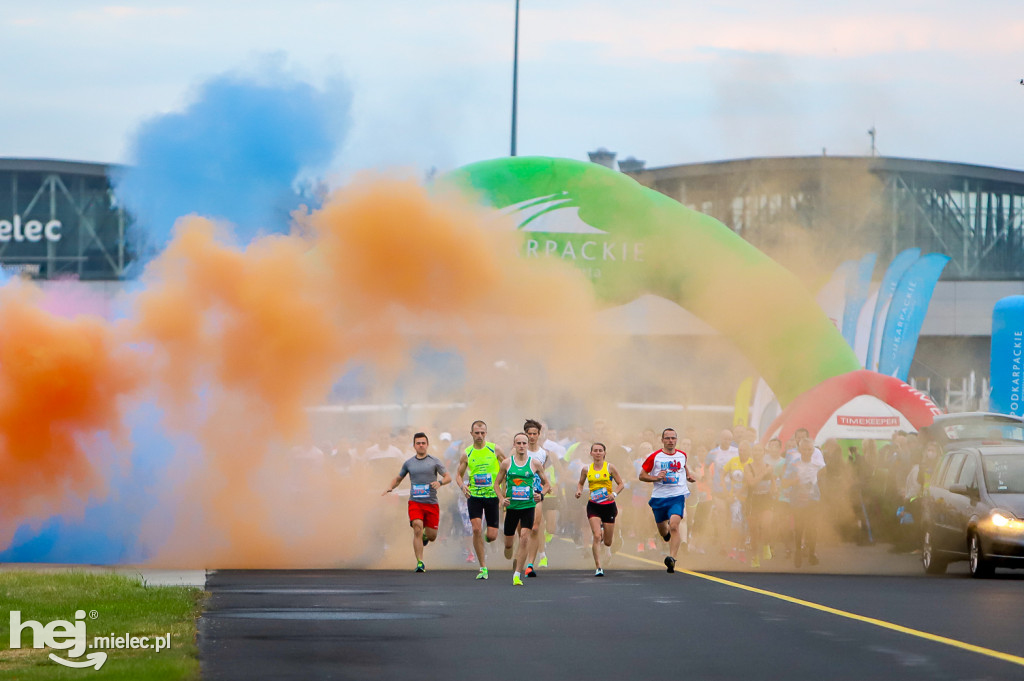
1006, 657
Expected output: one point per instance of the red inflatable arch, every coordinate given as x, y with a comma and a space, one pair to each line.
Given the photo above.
856, 405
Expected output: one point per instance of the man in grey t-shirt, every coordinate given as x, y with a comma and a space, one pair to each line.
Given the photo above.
424, 514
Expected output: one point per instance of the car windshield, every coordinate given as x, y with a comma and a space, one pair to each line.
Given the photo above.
1004, 473
991, 432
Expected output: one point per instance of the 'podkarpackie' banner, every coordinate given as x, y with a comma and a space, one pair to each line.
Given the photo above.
858, 284
906, 315
633, 240
1007, 360
890, 280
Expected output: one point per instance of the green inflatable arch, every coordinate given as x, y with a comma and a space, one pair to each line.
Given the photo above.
633, 240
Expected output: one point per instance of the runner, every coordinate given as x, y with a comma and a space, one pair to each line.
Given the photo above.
801, 480
424, 515
482, 459
666, 468
760, 481
601, 508
735, 490
546, 515
519, 499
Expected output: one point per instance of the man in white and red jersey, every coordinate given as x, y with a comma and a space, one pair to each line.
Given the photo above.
666, 468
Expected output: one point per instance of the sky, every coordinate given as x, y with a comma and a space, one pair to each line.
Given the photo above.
666, 81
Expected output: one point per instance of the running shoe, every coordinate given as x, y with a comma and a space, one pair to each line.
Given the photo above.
482, 574
420, 567
640, 547
530, 572
508, 553
651, 545
667, 536
548, 537
543, 561
599, 572
767, 555
755, 562
670, 564
517, 580
425, 540
470, 558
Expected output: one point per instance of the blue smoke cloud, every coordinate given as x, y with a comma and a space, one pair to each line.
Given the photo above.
108, 533
237, 153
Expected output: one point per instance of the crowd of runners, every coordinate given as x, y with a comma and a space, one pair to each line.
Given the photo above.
703, 491
723, 493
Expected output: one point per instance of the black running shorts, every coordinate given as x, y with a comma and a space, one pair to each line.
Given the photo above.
518, 516
486, 507
606, 512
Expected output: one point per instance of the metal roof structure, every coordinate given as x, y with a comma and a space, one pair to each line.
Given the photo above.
974, 214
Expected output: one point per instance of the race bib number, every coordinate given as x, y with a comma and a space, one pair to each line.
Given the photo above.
482, 479
421, 491
599, 495
671, 478
522, 492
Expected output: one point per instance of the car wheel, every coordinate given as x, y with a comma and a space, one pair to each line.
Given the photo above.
980, 565
932, 564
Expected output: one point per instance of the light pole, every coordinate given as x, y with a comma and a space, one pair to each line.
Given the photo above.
515, 78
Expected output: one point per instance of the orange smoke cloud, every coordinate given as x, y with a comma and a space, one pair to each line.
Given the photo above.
62, 383
245, 340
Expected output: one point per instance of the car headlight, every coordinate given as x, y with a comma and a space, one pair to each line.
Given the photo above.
1005, 520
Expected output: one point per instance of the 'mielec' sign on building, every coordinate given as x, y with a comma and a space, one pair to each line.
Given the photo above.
33, 230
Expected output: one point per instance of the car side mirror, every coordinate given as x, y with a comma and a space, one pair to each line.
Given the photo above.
971, 492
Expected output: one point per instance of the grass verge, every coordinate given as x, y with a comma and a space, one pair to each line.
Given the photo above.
114, 605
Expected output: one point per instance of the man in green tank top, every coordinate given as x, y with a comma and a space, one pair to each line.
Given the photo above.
519, 498
482, 460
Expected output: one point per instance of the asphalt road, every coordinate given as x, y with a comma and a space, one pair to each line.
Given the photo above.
632, 624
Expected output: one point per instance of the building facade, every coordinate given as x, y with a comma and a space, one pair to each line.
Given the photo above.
833, 208
61, 219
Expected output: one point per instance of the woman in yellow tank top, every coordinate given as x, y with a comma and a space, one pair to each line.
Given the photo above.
601, 508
